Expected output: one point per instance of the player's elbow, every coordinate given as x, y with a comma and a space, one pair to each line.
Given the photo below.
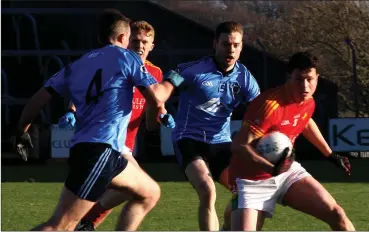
162, 92
237, 147
155, 96
241, 149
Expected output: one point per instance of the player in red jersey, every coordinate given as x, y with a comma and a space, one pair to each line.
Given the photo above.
138, 103
257, 183
142, 200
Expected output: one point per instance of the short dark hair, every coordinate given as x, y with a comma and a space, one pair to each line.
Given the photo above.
228, 27
302, 60
111, 23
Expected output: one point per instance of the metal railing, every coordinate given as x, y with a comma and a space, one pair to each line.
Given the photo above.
7, 100
16, 25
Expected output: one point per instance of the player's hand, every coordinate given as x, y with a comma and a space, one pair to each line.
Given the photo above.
341, 162
167, 120
22, 143
68, 120
284, 162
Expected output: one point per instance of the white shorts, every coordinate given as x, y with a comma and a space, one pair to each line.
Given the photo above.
264, 194
126, 151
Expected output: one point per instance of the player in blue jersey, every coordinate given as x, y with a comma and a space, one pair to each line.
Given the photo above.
213, 87
100, 84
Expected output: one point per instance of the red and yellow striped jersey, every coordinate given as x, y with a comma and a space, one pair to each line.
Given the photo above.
272, 110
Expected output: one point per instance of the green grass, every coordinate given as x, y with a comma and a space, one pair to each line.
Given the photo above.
31, 201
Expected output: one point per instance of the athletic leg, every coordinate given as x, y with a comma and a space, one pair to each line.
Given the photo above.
112, 198
320, 203
247, 220
199, 176
89, 174
145, 193
190, 154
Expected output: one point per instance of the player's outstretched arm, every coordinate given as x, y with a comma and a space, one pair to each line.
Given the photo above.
22, 141
313, 135
157, 94
32, 108
242, 145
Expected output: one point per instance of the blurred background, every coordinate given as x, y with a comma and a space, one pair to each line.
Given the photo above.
41, 37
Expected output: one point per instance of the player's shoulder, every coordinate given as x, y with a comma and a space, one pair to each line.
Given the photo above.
152, 66
244, 73
241, 67
154, 70
120, 53
269, 100
196, 66
272, 94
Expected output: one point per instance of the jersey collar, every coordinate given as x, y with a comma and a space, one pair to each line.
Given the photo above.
217, 66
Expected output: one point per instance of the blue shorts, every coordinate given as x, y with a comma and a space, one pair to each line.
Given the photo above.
92, 166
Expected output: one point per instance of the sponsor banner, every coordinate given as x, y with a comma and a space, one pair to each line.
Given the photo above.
166, 137
349, 134
60, 141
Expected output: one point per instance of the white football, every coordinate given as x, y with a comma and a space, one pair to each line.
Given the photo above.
272, 145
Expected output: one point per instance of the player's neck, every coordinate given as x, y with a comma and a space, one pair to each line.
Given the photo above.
223, 69
289, 95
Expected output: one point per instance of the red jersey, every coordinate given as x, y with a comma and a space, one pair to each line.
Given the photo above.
272, 110
138, 105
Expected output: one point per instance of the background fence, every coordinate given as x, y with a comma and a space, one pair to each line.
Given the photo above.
43, 37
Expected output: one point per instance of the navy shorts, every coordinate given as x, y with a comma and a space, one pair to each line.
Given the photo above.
92, 166
216, 156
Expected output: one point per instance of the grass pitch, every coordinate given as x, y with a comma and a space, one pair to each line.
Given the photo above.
29, 195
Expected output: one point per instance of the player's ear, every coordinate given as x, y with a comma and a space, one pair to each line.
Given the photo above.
121, 37
214, 43
152, 47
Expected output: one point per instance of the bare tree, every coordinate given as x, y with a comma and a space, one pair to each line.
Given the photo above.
285, 27
323, 27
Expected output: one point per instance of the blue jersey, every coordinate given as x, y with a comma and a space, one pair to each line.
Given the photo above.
100, 84
209, 98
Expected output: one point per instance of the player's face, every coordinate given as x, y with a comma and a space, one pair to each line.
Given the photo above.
304, 83
141, 44
228, 48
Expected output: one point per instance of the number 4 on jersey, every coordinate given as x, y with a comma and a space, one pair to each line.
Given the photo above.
96, 81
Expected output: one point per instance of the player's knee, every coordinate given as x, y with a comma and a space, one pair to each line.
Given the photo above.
151, 199
155, 193
207, 192
336, 214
